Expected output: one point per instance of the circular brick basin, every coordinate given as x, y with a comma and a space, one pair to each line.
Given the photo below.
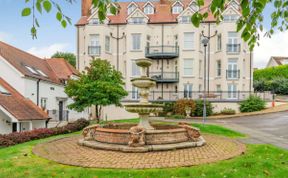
67, 151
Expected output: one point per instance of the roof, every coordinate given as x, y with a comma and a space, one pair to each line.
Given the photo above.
21, 108
62, 68
163, 12
279, 59
43, 69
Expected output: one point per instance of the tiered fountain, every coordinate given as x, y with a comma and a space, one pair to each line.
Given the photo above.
143, 137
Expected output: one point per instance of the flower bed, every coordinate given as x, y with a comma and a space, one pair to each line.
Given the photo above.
21, 137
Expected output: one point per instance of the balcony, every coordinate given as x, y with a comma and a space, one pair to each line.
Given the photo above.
94, 50
232, 74
165, 77
162, 52
233, 48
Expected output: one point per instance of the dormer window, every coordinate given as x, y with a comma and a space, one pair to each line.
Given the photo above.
148, 9
234, 4
177, 8
94, 21
194, 6
3, 90
131, 8
42, 73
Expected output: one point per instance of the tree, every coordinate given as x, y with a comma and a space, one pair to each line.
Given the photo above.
70, 57
251, 20
99, 85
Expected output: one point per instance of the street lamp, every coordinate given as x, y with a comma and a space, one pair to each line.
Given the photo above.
205, 42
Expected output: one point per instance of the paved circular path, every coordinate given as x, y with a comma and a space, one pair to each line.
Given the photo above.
67, 151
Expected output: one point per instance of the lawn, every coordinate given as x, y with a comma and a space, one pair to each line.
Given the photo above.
259, 161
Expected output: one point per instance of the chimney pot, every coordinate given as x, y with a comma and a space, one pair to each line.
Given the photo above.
86, 5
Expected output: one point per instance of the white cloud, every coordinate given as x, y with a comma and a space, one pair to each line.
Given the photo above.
47, 52
274, 46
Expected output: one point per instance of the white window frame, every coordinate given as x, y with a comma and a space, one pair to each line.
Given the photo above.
41, 72
33, 71
188, 70
233, 40
43, 103
131, 8
185, 19
194, 6
94, 41
232, 66
219, 42
94, 21
188, 90
218, 68
232, 91
135, 93
135, 70
189, 41
148, 9
136, 20
107, 43
177, 8
136, 41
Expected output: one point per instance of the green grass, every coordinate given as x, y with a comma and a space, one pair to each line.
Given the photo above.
259, 161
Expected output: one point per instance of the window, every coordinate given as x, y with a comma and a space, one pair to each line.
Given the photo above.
188, 90
230, 18
218, 68
194, 6
234, 4
244, 68
177, 8
232, 72
219, 42
131, 8
43, 102
107, 43
135, 69
136, 41
188, 40
185, 19
94, 21
218, 88
200, 68
135, 93
200, 87
148, 9
94, 48
136, 20
188, 67
233, 45
33, 71
42, 73
232, 91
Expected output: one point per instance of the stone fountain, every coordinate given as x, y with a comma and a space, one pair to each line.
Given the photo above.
142, 137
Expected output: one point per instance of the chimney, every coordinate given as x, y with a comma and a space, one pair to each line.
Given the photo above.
86, 5
162, 1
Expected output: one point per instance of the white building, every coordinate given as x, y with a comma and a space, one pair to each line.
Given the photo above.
40, 80
162, 31
18, 113
277, 61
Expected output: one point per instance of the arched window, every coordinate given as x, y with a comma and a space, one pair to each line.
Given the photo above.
131, 8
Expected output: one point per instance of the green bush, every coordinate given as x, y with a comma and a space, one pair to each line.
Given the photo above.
199, 108
168, 107
177, 116
251, 104
182, 104
228, 111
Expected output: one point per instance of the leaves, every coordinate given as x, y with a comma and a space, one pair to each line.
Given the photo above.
47, 6
26, 11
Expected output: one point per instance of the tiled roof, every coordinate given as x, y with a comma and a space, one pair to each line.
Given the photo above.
21, 60
163, 12
279, 59
62, 68
18, 106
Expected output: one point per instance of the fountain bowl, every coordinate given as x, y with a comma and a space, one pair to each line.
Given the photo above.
143, 62
143, 82
144, 108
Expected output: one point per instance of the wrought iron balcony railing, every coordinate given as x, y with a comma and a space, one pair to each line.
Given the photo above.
165, 77
94, 50
232, 74
165, 52
233, 48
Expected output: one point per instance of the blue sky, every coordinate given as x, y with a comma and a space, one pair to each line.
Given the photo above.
15, 30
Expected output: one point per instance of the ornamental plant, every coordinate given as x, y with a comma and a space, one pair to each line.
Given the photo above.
251, 104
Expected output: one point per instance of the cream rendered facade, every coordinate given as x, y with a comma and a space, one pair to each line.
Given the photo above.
173, 34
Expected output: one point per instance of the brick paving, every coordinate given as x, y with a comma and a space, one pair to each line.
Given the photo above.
67, 151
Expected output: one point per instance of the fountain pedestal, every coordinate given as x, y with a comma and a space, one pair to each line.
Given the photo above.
144, 122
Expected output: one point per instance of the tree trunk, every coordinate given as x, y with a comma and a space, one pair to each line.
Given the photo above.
97, 114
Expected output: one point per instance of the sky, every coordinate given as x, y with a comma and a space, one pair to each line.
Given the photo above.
15, 30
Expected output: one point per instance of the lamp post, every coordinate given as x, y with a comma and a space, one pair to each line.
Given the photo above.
117, 38
205, 42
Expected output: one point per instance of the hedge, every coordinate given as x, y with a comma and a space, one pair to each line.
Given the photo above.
21, 137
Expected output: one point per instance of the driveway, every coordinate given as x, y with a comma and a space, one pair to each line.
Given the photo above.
268, 128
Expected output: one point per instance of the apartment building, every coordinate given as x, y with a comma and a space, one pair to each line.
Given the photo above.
162, 31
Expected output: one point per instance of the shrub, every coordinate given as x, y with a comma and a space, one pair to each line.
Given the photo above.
181, 104
21, 137
177, 116
168, 107
199, 108
228, 111
251, 104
